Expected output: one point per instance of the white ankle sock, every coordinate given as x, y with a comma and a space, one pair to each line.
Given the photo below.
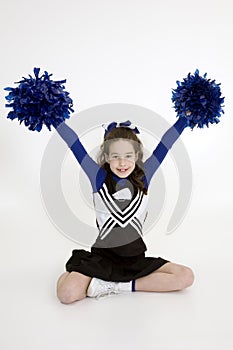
125, 286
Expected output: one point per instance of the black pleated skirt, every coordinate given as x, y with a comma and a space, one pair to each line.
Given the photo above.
108, 266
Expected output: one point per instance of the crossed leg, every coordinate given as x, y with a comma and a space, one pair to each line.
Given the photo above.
72, 286
170, 277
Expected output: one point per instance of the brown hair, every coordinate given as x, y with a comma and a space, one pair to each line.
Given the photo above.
136, 177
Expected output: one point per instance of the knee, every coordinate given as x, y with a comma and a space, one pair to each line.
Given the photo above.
69, 289
186, 277
67, 295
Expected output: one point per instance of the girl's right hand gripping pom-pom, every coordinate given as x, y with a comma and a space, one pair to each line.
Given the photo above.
198, 100
40, 100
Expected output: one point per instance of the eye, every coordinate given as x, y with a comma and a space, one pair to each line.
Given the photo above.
129, 156
114, 157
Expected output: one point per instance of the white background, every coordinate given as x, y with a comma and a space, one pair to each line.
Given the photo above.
125, 52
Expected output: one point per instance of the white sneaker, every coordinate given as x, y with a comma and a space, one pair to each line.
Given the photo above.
99, 288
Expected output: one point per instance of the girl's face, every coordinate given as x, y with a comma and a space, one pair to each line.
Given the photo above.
121, 158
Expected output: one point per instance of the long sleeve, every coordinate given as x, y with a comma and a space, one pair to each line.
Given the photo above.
95, 173
169, 138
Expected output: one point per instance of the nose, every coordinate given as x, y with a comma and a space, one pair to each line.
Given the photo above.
122, 161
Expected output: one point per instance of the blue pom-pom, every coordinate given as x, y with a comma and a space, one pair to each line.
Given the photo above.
40, 100
198, 100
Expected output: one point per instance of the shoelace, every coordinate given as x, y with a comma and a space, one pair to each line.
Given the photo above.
104, 295
106, 291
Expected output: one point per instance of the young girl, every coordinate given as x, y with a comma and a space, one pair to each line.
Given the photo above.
120, 182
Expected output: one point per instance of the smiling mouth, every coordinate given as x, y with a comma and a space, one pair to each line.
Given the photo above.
122, 170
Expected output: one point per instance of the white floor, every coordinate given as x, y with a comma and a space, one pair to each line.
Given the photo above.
199, 318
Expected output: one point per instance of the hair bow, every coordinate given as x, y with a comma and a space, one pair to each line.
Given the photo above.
113, 125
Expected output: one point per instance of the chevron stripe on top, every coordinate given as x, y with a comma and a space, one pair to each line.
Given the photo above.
111, 200
121, 218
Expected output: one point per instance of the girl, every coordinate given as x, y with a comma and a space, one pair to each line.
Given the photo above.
120, 182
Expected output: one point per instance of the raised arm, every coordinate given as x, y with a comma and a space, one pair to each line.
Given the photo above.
41, 101
158, 155
95, 173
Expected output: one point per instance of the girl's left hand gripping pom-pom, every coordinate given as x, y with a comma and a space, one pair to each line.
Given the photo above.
40, 100
198, 100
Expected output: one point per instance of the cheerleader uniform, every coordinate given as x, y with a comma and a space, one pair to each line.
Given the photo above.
118, 253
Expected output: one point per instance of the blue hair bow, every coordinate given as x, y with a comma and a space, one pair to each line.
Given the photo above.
113, 125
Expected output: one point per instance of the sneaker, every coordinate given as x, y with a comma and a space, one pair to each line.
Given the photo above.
99, 288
